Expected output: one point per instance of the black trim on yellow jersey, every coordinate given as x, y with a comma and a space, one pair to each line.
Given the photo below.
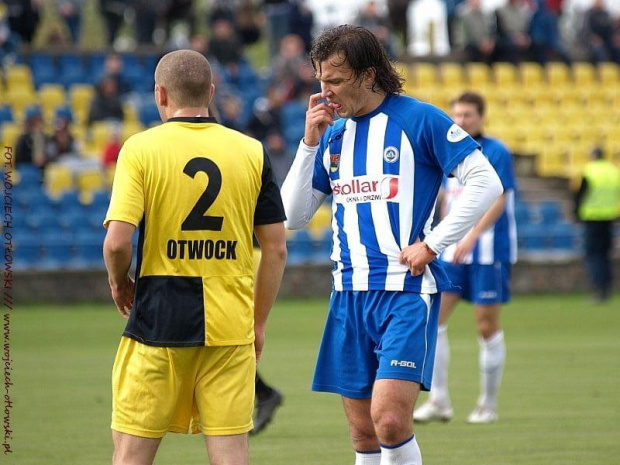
168, 312
192, 119
269, 207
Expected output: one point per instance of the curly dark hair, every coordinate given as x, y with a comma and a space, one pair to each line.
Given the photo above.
362, 51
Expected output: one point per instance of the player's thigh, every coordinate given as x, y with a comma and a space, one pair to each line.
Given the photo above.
133, 449
162, 379
407, 326
224, 391
225, 450
449, 301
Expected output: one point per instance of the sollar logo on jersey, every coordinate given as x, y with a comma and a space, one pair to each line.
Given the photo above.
365, 189
334, 162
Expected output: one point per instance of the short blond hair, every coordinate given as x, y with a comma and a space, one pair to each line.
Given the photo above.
186, 76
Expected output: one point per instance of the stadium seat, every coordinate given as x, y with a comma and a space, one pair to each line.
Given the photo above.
504, 74
523, 214
478, 74
74, 221
28, 252
99, 136
452, 74
300, 248
321, 221
96, 66
89, 248
43, 221
609, 73
28, 177
425, 74
532, 237
149, 114
20, 99
584, 74
19, 76
57, 250
563, 236
6, 114
51, 96
558, 74
58, 179
10, 134
531, 74
550, 212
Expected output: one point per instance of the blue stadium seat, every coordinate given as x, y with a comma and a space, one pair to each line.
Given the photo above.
31, 198
29, 177
74, 222
57, 250
96, 66
300, 248
41, 59
28, 252
149, 114
564, 236
101, 199
523, 213
6, 114
293, 117
43, 69
69, 201
134, 75
89, 249
550, 212
150, 63
532, 237
43, 221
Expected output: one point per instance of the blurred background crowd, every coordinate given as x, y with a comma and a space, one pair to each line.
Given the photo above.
77, 80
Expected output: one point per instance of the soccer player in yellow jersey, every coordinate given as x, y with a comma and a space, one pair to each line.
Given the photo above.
196, 314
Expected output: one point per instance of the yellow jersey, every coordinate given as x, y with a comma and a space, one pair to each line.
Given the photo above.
195, 189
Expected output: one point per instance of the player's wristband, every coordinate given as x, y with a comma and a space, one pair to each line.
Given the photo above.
429, 250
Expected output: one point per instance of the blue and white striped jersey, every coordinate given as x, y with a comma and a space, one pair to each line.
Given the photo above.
384, 170
499, 242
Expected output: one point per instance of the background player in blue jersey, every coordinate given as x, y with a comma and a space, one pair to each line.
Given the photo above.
479, 268
383, 161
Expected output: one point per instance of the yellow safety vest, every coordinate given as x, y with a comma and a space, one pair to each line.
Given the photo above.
602, 199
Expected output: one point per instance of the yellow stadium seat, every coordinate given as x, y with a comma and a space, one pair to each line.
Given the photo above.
130, 113
81, 96
504, 73
583, 73
531, 73
425, 75
100, 134
10, 134
89, 182
558, 74
609, 73
320, 222
129, 129
18, 77
551, 162
20, 99
452, 74
478, 74
109, 174
51, 96
58, 179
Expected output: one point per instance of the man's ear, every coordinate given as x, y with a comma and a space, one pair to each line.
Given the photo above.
211, 93
370, 76
161, 96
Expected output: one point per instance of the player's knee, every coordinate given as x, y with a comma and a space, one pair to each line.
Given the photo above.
364, 439
487, 328
391, 427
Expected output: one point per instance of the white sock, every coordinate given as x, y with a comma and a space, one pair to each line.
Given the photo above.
491, 361
406, 453
368, 458
439, 387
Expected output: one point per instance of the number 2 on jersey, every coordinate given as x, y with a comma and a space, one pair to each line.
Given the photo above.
196, 220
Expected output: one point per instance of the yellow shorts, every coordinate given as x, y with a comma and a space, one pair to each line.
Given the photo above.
182, 389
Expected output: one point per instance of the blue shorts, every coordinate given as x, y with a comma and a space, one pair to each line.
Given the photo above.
373, 335
480, 284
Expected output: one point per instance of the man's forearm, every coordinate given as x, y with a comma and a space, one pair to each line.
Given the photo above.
118, 263
267, 283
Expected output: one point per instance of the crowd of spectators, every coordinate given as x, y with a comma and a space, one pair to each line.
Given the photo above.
252, 100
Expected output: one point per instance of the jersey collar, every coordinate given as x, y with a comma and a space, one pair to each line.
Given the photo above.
192, 119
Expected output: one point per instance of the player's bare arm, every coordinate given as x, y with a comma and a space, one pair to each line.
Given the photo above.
318, 117
272, 241
467, 244
117, 250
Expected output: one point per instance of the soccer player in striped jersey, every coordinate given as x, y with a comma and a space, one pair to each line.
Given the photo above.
383, 161
479, 268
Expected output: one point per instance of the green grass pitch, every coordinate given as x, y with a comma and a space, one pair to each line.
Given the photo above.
559, 403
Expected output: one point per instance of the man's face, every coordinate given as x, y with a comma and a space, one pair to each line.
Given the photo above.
348, 96
466, 116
